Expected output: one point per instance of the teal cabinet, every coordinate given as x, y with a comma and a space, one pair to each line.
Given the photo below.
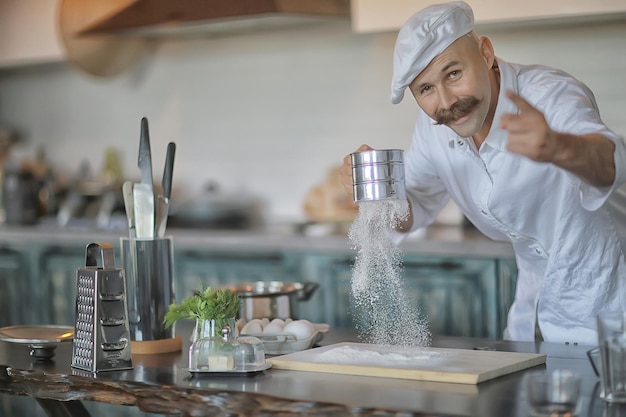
38, 283
195, 269
458, 296
506, 281
14, 292
56, 283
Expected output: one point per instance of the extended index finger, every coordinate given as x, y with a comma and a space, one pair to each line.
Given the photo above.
522, 104
364, 147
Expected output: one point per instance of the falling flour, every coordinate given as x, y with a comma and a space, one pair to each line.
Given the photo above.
384, 315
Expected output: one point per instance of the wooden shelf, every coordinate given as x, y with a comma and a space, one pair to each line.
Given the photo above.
390, 15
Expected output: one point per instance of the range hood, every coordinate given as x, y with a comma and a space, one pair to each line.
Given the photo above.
127, 16
106, 37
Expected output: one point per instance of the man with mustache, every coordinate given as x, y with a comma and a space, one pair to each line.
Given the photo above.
523, 152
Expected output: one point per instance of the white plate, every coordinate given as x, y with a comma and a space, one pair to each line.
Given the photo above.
283, 343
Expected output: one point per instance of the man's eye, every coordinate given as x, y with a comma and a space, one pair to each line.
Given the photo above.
425, 90
454, 74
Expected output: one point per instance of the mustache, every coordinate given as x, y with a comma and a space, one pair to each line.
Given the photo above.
456, 111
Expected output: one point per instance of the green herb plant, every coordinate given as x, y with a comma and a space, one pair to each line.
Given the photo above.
219, 305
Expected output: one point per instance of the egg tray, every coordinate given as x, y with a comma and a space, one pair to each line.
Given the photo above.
282, 343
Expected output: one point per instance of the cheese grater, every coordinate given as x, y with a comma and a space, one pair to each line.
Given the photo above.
101, 334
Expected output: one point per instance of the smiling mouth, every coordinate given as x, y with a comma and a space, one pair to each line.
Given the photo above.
460, 120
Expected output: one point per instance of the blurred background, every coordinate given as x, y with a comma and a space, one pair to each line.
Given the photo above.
262, 111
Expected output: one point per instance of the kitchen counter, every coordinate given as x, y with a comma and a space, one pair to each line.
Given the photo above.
159, 384
436, 240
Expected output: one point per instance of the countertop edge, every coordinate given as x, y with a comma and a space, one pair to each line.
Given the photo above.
436, 241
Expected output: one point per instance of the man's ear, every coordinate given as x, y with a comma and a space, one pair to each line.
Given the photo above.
486, 50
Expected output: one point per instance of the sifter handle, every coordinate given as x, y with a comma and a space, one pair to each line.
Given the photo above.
106, 253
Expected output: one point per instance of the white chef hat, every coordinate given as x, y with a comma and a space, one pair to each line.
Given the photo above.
424, 36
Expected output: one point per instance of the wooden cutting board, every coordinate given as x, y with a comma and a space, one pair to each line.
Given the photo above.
425, 364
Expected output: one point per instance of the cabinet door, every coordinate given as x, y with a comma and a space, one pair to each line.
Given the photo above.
507, 282
197, 269
14, 294
56, 285
457, 295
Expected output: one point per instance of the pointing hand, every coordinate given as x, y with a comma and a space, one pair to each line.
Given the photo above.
529, 133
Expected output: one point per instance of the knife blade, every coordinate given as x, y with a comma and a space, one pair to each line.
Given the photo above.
163, 201
127, 193
143, 192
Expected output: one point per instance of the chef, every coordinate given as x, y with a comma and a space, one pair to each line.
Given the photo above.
522, 151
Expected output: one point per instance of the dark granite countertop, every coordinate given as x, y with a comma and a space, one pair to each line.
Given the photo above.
160, 384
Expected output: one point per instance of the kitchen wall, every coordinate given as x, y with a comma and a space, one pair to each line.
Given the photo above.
268, 111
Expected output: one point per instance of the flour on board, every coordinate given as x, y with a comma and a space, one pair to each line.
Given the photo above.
389, 356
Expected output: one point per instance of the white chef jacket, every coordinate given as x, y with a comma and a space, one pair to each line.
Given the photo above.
569, 238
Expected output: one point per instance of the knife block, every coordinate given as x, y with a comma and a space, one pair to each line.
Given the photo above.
149, 268
101, 334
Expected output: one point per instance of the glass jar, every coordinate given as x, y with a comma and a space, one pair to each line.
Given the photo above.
212, 349
249, 353
216, 348
207, 328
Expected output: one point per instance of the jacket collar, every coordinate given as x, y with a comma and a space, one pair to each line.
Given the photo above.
497, 137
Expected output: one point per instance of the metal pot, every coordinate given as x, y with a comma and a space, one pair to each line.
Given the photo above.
274, 299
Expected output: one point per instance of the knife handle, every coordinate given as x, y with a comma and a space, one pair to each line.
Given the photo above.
168, 170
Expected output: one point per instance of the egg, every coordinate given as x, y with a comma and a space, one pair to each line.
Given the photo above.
257, 321
240, 323
273, 328
279, 322
252, 327
301, 329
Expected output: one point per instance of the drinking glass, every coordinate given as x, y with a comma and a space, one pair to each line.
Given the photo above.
612, 349
555, 393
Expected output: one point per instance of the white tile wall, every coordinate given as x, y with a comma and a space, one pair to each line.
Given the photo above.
268, 113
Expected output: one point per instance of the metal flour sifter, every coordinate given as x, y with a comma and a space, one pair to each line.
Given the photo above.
378, 174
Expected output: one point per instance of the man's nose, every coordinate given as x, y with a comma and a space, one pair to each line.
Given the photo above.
446, 98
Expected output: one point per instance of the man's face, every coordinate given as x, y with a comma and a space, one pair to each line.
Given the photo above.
454, 89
